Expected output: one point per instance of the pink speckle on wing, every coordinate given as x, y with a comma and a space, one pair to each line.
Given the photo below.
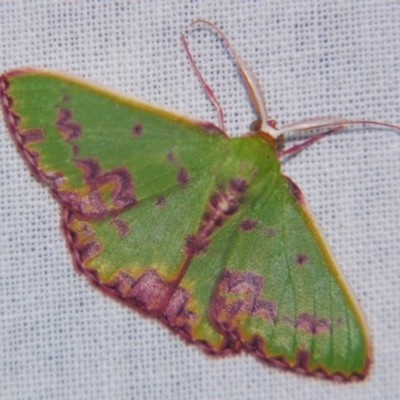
137, 129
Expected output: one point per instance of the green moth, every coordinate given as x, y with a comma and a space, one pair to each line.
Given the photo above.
183, 223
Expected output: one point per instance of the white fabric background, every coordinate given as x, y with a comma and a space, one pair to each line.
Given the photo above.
62, 339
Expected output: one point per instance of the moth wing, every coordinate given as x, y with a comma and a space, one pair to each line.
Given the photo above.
132, 181
280, 293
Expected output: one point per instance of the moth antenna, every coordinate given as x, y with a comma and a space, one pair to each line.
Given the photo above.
252, 85
265, 124
335, 123
207, 90
322, 122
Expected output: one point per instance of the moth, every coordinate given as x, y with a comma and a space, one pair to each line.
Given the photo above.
185, 224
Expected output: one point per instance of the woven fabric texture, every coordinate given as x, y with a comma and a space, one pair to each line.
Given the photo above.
62, 339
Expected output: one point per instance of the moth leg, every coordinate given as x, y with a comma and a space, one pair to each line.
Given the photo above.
300, 146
